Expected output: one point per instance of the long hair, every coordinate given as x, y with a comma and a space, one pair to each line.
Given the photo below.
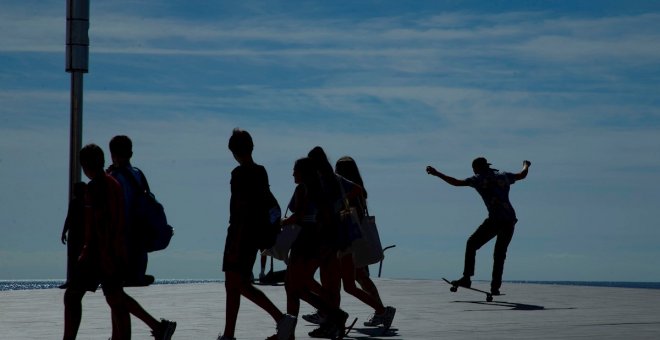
347, 168
306, 169
327, 175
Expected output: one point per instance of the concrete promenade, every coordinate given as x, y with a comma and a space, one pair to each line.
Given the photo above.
425, 310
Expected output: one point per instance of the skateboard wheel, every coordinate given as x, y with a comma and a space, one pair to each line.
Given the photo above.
453, 289
489, 298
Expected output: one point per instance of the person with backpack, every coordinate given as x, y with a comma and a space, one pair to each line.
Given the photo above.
134, 183
103, 258
493, 187
247, 217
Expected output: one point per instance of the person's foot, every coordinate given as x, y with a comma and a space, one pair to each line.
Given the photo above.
389, 316
222, 337
495, 291
286, 327
463, 282
165, 330
375, 320
315, 318
325, 331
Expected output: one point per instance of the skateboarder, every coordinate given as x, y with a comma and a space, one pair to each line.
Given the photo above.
493, 186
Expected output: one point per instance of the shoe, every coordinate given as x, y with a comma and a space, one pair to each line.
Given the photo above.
494, 291
222, 337
325, 331
463, 282
375, 320
315, 318
166, 330
286, 327
389, 316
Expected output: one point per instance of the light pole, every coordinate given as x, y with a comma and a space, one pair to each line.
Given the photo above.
77, 60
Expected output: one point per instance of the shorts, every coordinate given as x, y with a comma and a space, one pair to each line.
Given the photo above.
240, 253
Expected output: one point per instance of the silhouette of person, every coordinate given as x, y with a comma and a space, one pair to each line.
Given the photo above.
103, 256
133, 183
493, 187
305, 207
333, 238
347, 168
73, 230
249, 186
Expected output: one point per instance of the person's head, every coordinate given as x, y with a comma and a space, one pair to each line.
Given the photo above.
347, 168
480, 165
240, 143
92, 160
121, 149
304, 171
321, 161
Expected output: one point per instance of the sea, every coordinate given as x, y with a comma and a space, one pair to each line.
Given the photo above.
6, 285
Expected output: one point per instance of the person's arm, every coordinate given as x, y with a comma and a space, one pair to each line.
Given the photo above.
298, 210
451, 180
523, 173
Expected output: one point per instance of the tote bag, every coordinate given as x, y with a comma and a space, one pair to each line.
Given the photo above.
367, 249
285, 238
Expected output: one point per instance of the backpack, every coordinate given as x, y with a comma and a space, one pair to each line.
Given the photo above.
157, 234
270, 222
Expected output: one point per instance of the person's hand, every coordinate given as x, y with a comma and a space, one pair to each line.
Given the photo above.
63, 236
431, 171
527, 163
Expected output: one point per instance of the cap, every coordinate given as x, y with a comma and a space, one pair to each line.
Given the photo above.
480, 163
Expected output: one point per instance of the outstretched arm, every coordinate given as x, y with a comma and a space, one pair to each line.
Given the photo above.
451, 180
523, 173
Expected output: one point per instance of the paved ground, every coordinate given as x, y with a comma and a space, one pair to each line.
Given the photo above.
425, 310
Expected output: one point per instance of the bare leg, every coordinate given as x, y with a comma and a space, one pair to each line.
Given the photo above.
362, 277
133, 307
72, 312
348, 278
233, 302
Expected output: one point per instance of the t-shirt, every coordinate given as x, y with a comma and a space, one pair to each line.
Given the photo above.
494, 190
249, 187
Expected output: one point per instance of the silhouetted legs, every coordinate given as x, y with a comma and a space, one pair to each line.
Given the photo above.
488, 230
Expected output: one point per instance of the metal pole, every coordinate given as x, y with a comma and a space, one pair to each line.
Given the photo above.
380, 268
77, 60
75, 139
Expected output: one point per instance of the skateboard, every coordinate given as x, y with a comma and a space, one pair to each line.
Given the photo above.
454, 288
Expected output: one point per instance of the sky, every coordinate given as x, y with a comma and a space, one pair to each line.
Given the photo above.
571, 86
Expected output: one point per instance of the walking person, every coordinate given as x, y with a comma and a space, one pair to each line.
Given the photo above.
493, 187
347, 168
104, 256
249, 186
306, 252
133, 183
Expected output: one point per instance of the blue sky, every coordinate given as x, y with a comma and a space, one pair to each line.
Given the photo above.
570, 85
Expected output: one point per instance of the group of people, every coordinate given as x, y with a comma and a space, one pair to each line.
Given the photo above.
105, 241
103, 233
319, 196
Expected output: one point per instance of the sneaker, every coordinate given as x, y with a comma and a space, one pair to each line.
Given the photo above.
286, 327
375, 320
315, 318
325, 331
222, 337
463, 282
166, 330
389, 316
494, 291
